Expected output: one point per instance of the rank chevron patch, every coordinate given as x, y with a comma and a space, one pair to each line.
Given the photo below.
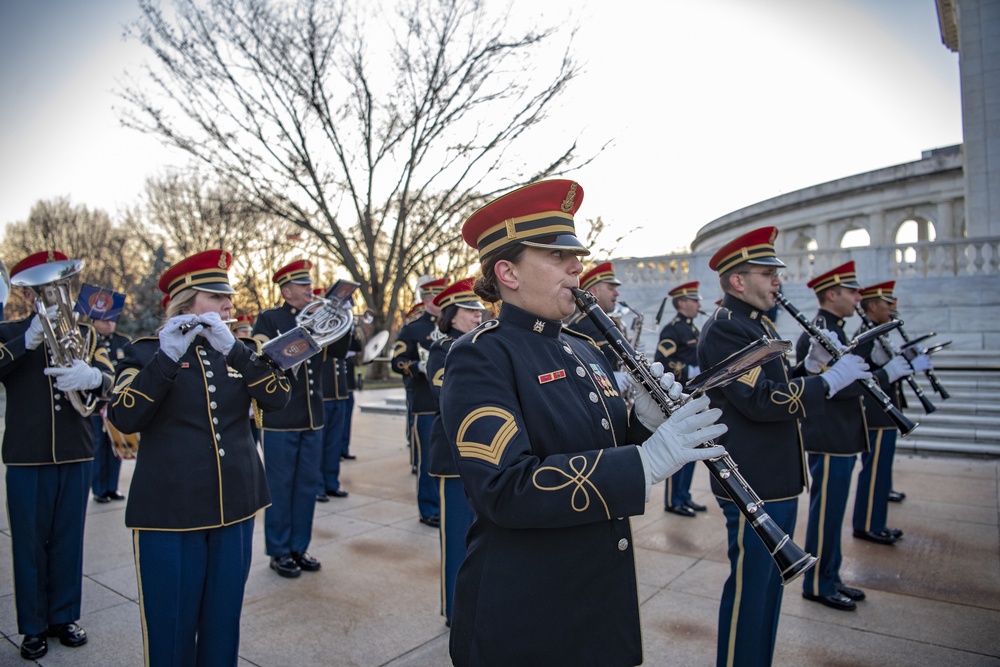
750, 377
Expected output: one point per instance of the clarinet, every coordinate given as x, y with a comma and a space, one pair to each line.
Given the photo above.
790, 559
887, 348
931, 375
904, 425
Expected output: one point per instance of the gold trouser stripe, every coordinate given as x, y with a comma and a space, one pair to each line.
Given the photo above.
821, 529
738, 593
876, 454
142, 605
444, 551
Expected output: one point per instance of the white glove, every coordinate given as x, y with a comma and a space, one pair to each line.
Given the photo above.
898, 368
174, 343
694, 371
818, 357
33, 336
879, 355
921, 363
422, 367
849, 368
646, 409
675, 442
217, 332
77, 377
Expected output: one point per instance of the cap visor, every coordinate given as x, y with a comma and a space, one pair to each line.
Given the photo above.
560, 242
767, 261
215, 288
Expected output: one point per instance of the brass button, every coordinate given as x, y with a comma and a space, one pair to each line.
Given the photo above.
622, 544
593, 397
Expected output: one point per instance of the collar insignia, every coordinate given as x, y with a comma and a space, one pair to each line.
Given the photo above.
539, 326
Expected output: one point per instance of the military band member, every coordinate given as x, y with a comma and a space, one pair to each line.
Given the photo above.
678, 352
198, 480
833, 443
415, 312
48, 448
875, 479
293, 436
461, 312
336, 410
409, 360
243, 326
602, 283
107, 466
763, 409
548, 455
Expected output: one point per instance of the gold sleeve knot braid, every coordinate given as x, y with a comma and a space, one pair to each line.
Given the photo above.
124, 392
793, 399
4, 352
579, 479
274, 382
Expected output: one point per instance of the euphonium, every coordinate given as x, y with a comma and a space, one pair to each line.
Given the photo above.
327, 320
790, 559
49, 283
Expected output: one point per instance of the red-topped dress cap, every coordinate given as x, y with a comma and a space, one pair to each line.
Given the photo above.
460, 294
884, 291
243, 321
297, 272
602, 273
687, 290
37, 259
207, 271
756, 247
538, 215
432, 288
844, 276
415, 311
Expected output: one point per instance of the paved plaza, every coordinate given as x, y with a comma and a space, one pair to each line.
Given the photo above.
933, 599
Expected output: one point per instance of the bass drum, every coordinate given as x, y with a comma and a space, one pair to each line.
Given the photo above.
124, 445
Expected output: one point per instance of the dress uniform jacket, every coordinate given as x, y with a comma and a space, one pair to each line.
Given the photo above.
304, 411
420, 333
678, 347
581, 323
335, 369
763, 407
842, 431
442, 461
541, 438
39, 431
198, 465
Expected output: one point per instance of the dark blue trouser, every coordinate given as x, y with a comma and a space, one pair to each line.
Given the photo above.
428, 500
191, 587
677, 490
291, 462
871, 503
456, 518
47, 509
334, 418
751, 596
346, 433
107, 466
831, 483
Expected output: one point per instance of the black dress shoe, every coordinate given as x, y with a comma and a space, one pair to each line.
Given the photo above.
306, 562
102, 499
348, 457
432, 521
286, 566
34, 647
690, 504
69, 634
896, 496
878, 537
114, 495
322, 498
837, 601
336, 493
683, 510
855, 594
895, 532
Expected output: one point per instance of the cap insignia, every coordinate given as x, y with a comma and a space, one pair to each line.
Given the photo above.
567, 204
222, 259
774, 235
51, 257
511, 229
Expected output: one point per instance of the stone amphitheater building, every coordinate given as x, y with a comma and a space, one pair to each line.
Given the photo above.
932, 225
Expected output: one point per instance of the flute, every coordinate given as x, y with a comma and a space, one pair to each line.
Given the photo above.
790, 559
187, 326
904, 425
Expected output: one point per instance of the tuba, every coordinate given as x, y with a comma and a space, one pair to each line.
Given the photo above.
49, 283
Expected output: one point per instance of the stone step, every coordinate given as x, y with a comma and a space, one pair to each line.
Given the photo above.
927, 444
956, 421
387, 407
985, 433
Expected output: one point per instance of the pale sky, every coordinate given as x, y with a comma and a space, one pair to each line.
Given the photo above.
712, 105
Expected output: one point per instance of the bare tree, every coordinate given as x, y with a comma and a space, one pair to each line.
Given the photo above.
111, 254
377, 148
